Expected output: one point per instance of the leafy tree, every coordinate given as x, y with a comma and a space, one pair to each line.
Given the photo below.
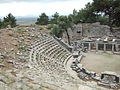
74, 16
116, 22
64, 23
43, 19
9, 20
54, 18
87, 14
0, 23
57, 31
102, 19
110, 8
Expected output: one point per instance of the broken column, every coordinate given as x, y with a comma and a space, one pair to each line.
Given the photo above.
96, 46
112, 47
104, 47
82, 46
117, 49
89, 46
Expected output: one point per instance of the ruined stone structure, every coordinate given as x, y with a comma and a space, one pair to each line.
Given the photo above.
110, 79
107, 78
50, 58
88, 30
94, 37
94, 30
104, 45
49, 63
48, 67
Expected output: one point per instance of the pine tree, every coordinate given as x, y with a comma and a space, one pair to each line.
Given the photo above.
54, 18
110, 8
9, 20
42, 20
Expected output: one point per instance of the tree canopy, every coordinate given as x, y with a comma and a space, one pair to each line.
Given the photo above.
85, 15
9, 20
103, 11
63, 23
54, 18
42, 20
0, 23
110, 8
57, 31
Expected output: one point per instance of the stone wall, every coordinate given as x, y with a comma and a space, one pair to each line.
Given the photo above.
66, 45
88, 30
108, 79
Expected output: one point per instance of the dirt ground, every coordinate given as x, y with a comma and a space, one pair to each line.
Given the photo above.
100, 62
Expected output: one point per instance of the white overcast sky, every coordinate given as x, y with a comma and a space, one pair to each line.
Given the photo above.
36, 7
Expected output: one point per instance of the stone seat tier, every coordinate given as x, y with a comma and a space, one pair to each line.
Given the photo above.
49, 56
55, 60
38, 42
52, 51
51, 48
33, 53
41, 41
44, 46
55, 55
50, 63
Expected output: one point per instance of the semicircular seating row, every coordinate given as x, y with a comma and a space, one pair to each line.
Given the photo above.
47, 54
48, 58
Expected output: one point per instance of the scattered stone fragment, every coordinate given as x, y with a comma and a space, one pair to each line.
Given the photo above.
22, 59
1, 80
2, 65
12, 49
10, 61
15, 44
2, 56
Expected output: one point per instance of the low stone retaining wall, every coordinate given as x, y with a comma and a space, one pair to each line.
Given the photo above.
68, 47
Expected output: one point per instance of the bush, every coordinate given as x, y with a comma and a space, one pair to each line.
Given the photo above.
8, 20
